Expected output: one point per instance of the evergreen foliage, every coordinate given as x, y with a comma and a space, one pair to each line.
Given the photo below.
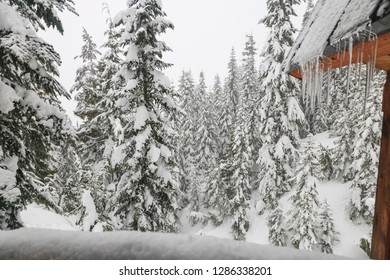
146, 193
276, 231
303, 221
328, 234
280, 113
239, 190
365, 157
32, 124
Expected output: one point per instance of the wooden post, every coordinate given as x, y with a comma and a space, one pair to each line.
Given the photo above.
380, 248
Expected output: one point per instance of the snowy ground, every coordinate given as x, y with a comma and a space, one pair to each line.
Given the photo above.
50, 244
337, 195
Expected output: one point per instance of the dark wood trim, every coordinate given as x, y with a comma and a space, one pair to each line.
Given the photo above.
380, 248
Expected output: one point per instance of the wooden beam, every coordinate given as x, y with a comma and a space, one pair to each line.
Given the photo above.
343, 58
380, 248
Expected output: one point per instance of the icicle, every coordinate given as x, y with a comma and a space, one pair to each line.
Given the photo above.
350, 50
371, 63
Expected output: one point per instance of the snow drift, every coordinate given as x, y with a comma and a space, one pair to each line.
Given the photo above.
68, 245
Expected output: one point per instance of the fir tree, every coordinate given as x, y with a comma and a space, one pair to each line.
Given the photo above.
239, 189
32, 124
88, 95
280, 113
276, 232
205, 133
303, 222
146, 194
187, 131
249, 91
232, 82
365, 157
328, 234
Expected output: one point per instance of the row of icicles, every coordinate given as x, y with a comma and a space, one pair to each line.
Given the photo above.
358, 48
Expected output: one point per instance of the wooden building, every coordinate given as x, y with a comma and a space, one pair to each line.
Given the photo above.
344, 32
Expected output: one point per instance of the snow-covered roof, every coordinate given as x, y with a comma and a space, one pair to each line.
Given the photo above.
64, 245
331, 21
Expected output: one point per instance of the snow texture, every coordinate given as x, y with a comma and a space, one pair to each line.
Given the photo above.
10, 20
7, 186
356, 14
91, 215
329, 20
141, 117
51, 244
36, 217
8, 95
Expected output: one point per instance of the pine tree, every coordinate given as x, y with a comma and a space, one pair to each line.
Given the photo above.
88, 95
328, 234
205, 133
303, 222
249, 91
365, 157
349, 106
187, 131
216, 195
280, 113
215, 109
239, 189
232, 82
276, 232
146, 194
65, 163
32, 124
205, 149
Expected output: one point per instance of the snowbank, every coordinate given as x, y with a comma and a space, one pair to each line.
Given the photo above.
51, 244
36, 217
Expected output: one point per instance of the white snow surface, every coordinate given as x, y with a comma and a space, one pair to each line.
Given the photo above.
36, 217
52, 244
329, 19
141, 116
357, 13
10, 20
91, 215
7, 185
7, 96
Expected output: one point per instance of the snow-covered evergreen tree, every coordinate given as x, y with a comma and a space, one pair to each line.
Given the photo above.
250, 93
146, 194
187, 129
276, 231
303, 221
239, 190
232, 82
205, 151
215, 198
328, 234
88, 95
32, 124
205, 132
280, 113
365, 157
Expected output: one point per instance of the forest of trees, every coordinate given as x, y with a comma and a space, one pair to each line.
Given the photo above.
147, 150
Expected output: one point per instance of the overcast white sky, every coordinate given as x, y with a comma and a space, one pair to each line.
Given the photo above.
205, 31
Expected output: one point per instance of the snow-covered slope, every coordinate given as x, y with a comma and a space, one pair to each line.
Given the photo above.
50, 244
337, 195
